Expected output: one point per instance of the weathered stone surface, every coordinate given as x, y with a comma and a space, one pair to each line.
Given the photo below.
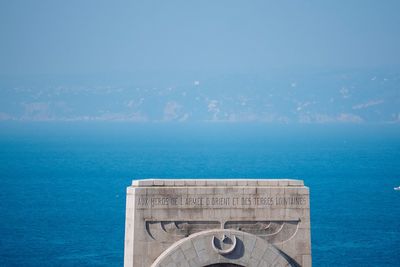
201, 222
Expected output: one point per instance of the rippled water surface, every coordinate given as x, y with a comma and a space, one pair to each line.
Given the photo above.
62, 196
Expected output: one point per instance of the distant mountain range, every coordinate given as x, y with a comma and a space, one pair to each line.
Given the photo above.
297, 97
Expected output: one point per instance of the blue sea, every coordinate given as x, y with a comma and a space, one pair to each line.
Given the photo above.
62, 195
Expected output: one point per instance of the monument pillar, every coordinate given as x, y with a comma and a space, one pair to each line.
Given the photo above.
218, 222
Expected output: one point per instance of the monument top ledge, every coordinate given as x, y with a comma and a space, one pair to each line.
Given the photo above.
217, 222
217, 182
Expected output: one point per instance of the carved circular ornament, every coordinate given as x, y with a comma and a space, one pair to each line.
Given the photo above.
225, 245
222, 246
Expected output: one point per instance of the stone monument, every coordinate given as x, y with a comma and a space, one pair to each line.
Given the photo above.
217, 222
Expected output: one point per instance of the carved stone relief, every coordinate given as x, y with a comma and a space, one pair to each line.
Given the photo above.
271, 231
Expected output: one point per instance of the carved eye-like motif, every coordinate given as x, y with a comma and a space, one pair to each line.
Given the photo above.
271, 231
175, 230
225, 245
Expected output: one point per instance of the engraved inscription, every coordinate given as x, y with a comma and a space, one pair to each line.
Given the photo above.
212, 201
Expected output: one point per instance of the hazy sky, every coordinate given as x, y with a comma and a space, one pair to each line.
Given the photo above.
82, 36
